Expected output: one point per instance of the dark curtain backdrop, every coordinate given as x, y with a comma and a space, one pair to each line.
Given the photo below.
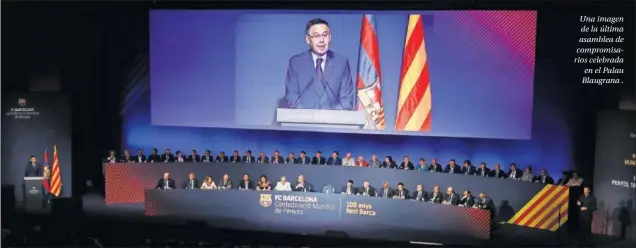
92, 46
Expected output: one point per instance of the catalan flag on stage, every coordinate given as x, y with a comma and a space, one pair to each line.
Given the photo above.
414, 101
369, 79
56, 180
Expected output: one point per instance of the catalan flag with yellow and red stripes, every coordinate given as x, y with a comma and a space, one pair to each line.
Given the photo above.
56, 179
414, 101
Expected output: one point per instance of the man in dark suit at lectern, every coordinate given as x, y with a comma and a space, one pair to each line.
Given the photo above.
33, 168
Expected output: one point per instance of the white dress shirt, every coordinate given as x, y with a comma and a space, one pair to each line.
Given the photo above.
348, 162
280, 186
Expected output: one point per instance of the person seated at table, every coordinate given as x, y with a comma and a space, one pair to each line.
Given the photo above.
467, 199
283, 185
277, 158
221, 158
192, 182
374, 162
436, 196
248, 158
166, 182
235, 158
366, 189
207, 157
302, 185
575, 181
208, 183
303, 159
291, 159
420, 194
349, 189
140, 158
565, 177
318, 159
334, 159
528, 175
348, 160
179, 158
154, 156
385, 191
451, 198
401, 192
246, 183
111, 158
544, 178
483, 170
406, 164
452, 168
484, 202
263, 184
194, 157
126, 158
514, 173
360, 162
468, 168
167, 156
388, 163
497, 172
421, 165
435, 166
225, 183
262, 159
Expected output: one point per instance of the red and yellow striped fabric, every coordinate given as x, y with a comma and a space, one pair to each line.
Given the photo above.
56, 180
547, 210
414, 101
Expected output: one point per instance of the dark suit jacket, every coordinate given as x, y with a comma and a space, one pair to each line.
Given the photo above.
303, 89
501, 174
183, 158
436, 198
305, 187
143, 159
316, 160
420, 197
207, 159
154, 158
33, 171
195, 158
236, 159
485, 203
161, 183
306, 160
262, 160
454, 170
546, 180
291, 161
408, 166
187, 184
385, 194
371, 191
273, 160
167, 157
452, 199
479, 171
220, 159
470, 170
334, 161
248, 185
392, 165
435, 168
467, 201
518, 173
226, 185
252, 159
129, 159
353, 190
404, 193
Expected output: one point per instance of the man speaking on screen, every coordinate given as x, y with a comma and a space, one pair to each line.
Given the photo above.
319, 78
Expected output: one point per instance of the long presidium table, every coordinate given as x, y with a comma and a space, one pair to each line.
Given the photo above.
318, 213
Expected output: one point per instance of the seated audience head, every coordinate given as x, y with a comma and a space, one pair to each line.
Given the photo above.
263, 179
318, 154
385, 185
248, 153
349, 183
226, 177
291, 154
406, 159
422, 161
207, 152
168, 151
543, 172
246, 177
235, 153
467, 163
194, 152
497, 167
420, 187
360, 158
221, 154
374, 157
335, 154
262, 154
166, 175
276, 153
301, 178
482, 165
179, 153
575, 175
126, 153
513, 166
208, 180
303, 154
400, 186
191, 176
154, 151
436, 188
450, 190
111, 153
482, 195
529, 169
365, 183
348, 155
452, 162
467, 193
283, 179
388, 159
434, 161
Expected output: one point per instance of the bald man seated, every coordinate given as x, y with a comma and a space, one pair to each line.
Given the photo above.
166, 182
451, 198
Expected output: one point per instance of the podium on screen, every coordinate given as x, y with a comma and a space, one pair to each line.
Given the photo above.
321, 118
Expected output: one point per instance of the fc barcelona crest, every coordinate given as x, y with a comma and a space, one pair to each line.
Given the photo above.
21, 102
266, 200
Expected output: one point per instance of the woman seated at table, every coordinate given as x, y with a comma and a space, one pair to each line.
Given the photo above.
283, 185
263, 184
208, 183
